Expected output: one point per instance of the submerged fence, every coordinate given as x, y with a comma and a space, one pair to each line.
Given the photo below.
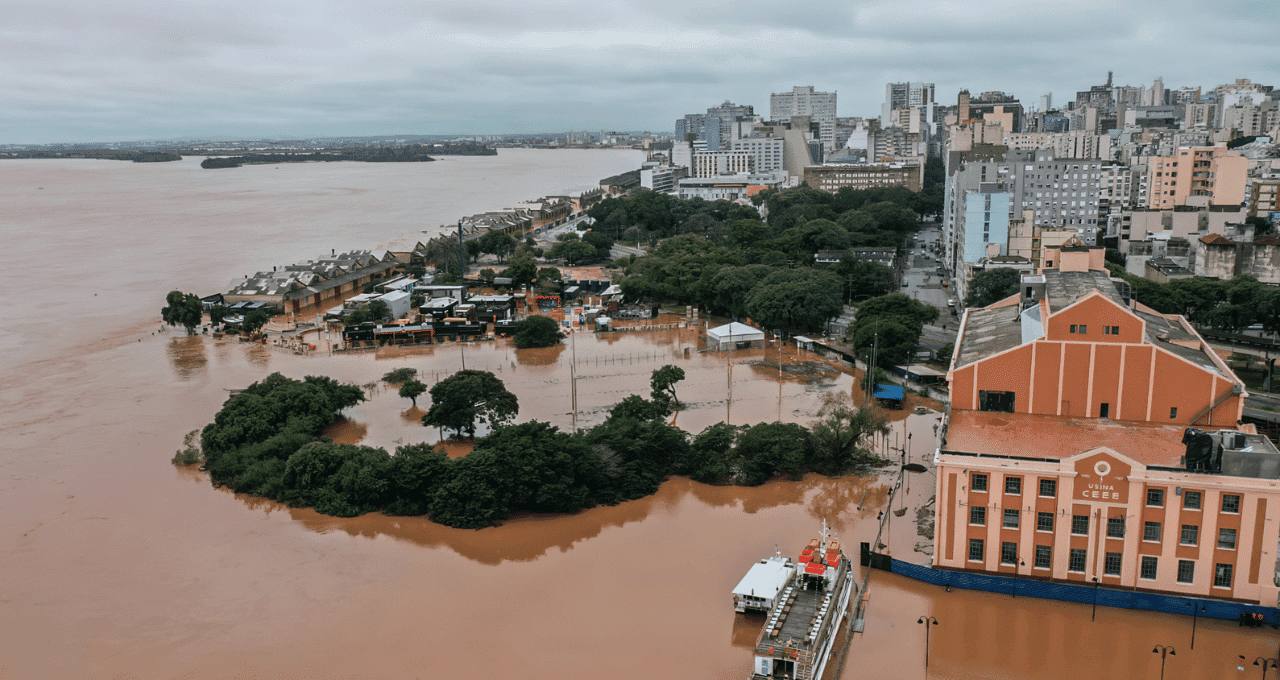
1084, 594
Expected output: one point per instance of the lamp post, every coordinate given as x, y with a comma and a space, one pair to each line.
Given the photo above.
1021, 563
1095, 600
1195, 613
1265, 663
929, 621
1164, 651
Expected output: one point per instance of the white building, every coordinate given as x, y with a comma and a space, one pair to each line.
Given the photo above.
804, 101
729, 187
769, 152
734, 336
714, 163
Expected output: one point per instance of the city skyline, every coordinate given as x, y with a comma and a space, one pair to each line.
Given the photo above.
233, 69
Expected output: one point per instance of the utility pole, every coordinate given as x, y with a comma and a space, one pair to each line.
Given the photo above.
462, 253
573, 376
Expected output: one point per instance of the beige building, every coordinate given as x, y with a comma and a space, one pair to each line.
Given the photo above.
832, 178
718, 163
1073, 144
1262, 197
1199, 175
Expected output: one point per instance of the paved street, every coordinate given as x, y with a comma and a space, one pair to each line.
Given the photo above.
921, 281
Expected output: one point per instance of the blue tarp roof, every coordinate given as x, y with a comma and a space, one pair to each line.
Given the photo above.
889, 392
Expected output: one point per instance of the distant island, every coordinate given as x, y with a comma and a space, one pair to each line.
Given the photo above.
98, 154
413, 153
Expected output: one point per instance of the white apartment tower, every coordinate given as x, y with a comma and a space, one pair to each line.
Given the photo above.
802, 100
905, 96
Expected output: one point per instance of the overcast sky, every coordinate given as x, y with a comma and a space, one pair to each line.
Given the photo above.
112, 70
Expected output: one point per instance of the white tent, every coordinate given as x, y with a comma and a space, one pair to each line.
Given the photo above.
733, 335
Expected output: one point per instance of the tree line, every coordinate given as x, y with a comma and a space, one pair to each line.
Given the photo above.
413, 153
267, 441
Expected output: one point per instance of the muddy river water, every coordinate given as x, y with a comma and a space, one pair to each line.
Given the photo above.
115, 564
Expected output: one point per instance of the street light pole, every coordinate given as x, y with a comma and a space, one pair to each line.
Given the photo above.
928, 621
1164, 651
1265, 663
1095, 600
1195, 613
1021, 563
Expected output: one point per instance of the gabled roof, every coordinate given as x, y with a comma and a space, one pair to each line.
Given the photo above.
1216, 240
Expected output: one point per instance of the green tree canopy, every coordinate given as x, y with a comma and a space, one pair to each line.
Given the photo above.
254, 321
802, 299
379, 310
842, 434
663, 383
412, 389
770, 449
537, 331
182, 309
991, 286
468, 396
521, 269
217, 313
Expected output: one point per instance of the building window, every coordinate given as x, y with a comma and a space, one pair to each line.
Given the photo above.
1111, 330
1186, 571
1191, 500
1226, 539
978, 515
1010, 518
1222, 576
1000, 402
1080, 525
1231, 503
1076, 561
1173, 412
1115, 527
1111, 564
1008, 553
1148, 568
1044, 521
1048, 488
1151, 532
1013, 486
1044, 555
978, 482
975, 550
1104, 410
1155, 498
1190, 534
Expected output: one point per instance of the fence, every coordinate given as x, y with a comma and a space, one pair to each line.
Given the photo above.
1106, 597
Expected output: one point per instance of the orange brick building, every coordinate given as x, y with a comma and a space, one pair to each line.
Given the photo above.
1092, 438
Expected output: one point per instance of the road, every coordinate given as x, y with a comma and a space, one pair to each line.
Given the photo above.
921, 281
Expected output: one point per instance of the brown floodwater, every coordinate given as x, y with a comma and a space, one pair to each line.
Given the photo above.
115, 564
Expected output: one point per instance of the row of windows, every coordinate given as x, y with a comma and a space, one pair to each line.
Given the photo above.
1191, 500
1111, 564
1151, 531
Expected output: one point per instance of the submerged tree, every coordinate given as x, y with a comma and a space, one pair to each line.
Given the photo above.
537, 331
458, 401
840, 434
412, 389
663, 384
183, 309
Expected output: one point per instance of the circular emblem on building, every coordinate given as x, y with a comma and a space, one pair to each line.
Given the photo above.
1102, 467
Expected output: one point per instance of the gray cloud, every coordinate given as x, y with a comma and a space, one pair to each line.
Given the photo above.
77, 71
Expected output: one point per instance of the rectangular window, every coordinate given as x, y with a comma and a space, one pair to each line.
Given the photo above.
1080, 525
1173, 412
1111, 564
1074, 328
1155, 498
1013, 486
1115, 527
1044, 521
1010, 518
1186, 571
1076, 563
999, 402
1222, 576
978, 482
1151, 532
978, 515
1148, 568
1048, 488
975, 550
1226, 539
1230, 503
1190, 534
1104, 410
1008, 553
1115, 330
1084, 328
1191, 500
1044, 556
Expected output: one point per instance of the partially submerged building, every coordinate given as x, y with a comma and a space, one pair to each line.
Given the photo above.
1092, 439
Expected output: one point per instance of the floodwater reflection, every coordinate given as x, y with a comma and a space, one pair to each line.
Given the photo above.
187, 355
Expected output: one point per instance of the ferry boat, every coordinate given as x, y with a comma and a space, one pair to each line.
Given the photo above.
806, 611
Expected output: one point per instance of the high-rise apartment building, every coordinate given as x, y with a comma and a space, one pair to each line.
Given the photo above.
820, 107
